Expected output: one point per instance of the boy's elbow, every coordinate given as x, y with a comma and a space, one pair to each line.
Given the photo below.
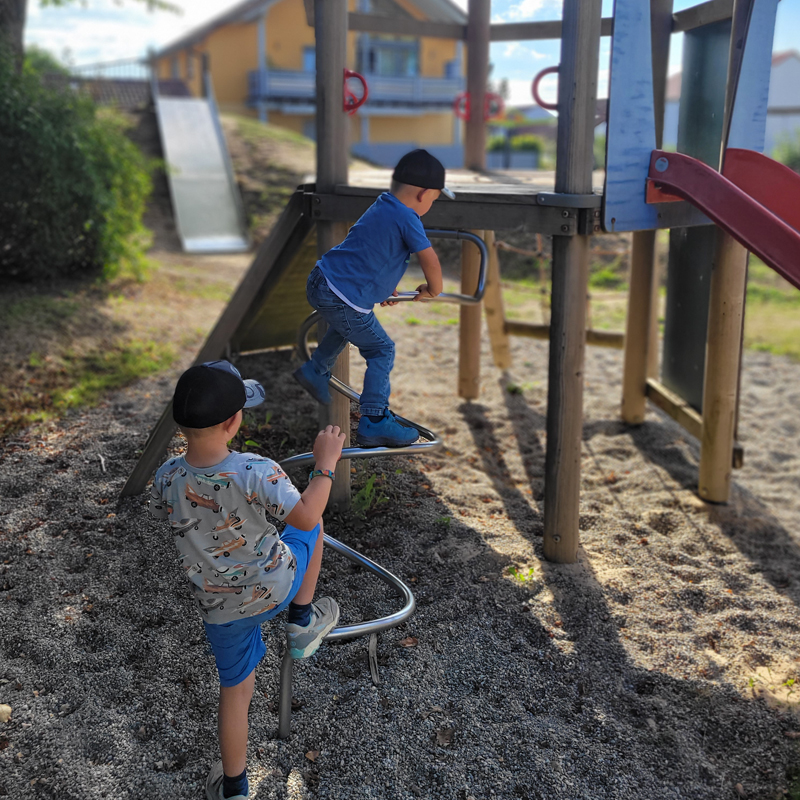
301, 519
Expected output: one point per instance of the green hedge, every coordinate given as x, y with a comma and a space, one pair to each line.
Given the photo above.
788, 152
74, 186
527, 142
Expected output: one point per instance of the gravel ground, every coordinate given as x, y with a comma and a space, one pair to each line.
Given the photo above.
658, 667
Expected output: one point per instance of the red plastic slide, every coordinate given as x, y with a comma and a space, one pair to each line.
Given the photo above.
755, 201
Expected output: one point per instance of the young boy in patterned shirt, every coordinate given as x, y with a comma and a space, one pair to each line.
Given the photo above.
241, 571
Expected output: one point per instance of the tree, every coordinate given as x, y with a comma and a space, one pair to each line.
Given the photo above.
13, 14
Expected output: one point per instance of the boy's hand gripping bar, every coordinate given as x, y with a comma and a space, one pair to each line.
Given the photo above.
451, 297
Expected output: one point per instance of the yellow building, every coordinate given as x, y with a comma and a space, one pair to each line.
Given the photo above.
261, 59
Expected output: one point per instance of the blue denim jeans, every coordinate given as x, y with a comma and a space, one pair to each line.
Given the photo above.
364, 331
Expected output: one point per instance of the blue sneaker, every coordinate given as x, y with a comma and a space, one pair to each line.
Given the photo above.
314, 384
388, 432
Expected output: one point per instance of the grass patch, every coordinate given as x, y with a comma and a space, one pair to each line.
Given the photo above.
56, 384
252, 130
48, 310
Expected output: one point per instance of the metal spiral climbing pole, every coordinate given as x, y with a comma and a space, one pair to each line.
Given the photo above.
431, 442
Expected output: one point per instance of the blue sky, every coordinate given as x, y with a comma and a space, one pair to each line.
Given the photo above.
105, 31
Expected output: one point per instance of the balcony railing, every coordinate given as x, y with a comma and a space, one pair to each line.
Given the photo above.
278, 86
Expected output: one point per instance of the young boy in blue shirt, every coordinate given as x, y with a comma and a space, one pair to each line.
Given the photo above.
363, 270
242, 573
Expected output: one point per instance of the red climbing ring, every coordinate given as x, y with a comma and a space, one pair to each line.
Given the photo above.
493, 106
461, 106
535, 88
351, 101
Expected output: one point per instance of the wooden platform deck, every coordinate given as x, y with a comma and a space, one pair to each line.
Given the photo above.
484, 201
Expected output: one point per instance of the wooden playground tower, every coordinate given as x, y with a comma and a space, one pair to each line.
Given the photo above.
645, 190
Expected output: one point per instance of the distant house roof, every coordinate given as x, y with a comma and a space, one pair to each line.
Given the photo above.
779, 58
532, 112
434, 11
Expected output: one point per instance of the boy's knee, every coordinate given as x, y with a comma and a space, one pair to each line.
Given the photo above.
383, 350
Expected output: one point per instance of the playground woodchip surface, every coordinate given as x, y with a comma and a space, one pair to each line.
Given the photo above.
659, 667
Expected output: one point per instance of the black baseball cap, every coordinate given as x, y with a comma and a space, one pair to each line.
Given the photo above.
210, 393
420, 168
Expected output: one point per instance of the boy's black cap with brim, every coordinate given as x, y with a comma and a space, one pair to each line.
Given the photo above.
210, 393
420, 168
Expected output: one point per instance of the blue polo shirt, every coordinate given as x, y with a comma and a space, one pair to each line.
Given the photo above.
367, 266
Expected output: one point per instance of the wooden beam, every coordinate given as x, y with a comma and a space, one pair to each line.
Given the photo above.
477, 78
531, 330
533, 31
330, 27
493, 308
676, 407
499, 32
469, 332
686, 416
577, 96
703, 14
467, 211
373, 23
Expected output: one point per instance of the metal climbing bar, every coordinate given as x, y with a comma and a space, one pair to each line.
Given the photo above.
433, 442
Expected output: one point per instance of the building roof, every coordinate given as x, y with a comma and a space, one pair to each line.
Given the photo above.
434, 11
441, 11
779, 58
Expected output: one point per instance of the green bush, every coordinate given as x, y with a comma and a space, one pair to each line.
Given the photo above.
74, 186
788, 153
496, 144
528, 143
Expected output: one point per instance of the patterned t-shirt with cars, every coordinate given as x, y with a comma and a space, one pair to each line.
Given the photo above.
232, 554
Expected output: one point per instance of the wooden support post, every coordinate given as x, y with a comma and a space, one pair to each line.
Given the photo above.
654, 339
641, 335
469, 333
330, 27
577, 94
638, 328
493, 308
477, 76
725, 317
469, 341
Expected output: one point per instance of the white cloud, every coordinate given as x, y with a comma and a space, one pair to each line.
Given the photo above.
105, 31
526, 9
519, 50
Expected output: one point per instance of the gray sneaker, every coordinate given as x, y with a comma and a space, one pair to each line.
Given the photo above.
214, 785
304, 641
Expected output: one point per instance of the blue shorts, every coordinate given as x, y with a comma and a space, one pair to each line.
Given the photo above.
238, 645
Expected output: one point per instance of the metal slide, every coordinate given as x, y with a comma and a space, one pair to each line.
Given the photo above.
762, 227
208, 208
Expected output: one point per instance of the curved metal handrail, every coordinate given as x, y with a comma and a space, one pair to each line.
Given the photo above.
453, 297
382, 623
433, 442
